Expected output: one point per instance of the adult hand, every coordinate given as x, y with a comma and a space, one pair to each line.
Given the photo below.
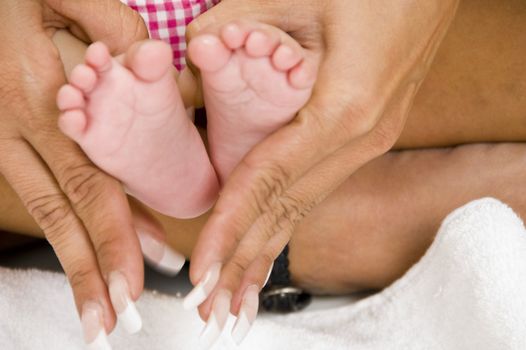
83, 212
374, 56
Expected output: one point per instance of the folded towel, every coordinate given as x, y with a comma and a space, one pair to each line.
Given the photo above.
467, 292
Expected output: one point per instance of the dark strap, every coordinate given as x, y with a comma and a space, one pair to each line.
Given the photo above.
280, 274
279, 295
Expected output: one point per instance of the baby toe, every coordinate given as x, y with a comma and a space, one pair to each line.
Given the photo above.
234, 35
262, 43
83, 78
286, 57
303, 75
209, 53
98, 57
69, 97
149, 60
73, 123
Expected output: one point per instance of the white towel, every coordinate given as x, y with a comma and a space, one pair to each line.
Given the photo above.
467, 292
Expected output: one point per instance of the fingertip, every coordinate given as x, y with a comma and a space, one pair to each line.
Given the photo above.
204, 309
206, 284
95, 326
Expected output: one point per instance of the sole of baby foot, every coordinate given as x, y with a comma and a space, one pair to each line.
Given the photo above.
130, 120
255, 79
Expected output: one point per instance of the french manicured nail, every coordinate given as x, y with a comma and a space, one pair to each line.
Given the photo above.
203, 288
160, 256
268, 275
93, 327
247, 314
217, 320
127, 313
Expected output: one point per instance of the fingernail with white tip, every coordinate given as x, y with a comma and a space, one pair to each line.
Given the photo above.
217, 320
203, 288
268, 275
160, 256
247, 314
93, 327
127, 313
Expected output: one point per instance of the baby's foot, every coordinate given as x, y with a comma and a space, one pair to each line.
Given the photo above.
255, 79
128, 117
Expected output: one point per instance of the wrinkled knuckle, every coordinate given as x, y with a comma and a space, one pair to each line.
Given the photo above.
82, 184
239, 264
284, 216
271, 226
272, 183
49, 211
106, 247
293, 211
80, 276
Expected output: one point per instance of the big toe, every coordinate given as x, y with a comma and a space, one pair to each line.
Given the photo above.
209, 53
149, 60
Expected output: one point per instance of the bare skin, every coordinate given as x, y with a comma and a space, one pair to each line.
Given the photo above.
465, 99
474, 92
363, 228
476, 88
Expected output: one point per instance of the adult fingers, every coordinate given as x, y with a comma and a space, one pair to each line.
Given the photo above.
233, 10
101, 204
337, 113
109, 21
308, 191
257, 185
247, 268
95, 198
46, 203
157, 253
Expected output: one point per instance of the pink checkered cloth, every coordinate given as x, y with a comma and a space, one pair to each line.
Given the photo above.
167, 21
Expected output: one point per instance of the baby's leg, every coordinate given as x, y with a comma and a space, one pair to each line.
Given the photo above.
255, 80
127, 115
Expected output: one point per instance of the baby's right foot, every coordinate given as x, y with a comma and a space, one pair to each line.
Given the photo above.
255, 80
131, 122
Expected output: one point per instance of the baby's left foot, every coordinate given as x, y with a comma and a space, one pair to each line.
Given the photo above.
255, 80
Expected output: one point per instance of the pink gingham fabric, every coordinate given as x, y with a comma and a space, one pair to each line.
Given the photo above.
167, 21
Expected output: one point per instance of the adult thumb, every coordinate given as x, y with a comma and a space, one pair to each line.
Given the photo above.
232, 10
109, 21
